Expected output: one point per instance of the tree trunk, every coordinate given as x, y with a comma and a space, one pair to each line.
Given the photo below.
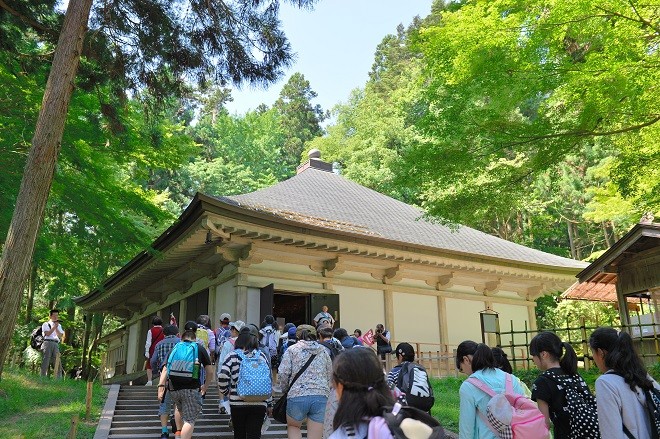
606, 232
85, 344
38, 173
571, 239
69, 333
30, 294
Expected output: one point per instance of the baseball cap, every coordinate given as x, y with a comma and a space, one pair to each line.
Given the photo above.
404, 349
238, 325
292, 332
190, 326
224, 316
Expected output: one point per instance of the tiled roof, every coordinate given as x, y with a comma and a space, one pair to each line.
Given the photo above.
324, 199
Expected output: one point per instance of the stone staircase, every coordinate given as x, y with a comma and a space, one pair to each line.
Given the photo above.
135, 416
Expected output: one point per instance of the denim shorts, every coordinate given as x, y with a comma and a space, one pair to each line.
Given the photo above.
311, 406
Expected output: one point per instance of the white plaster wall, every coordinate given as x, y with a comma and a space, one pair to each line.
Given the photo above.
131, 355
416, 318
225, 300
253, 305
463, 320
360, 308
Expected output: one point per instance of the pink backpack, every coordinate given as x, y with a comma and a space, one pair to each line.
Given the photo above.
511, 416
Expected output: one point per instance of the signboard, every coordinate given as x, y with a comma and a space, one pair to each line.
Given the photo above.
489, 323
368, 337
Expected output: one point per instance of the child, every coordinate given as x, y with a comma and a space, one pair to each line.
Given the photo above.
621, 388
558, 362
476, 360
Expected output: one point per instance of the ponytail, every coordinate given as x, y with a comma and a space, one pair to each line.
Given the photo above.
568, 362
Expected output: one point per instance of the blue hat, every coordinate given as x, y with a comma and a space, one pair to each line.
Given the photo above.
292, 333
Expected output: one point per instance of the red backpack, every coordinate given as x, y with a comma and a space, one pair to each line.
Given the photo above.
511, 416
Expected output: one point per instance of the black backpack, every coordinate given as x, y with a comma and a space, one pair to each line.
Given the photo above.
413, 380
394, 416
579, 403
653, 408
334, 350
37, 338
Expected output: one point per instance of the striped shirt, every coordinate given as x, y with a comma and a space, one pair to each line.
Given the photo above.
228, 378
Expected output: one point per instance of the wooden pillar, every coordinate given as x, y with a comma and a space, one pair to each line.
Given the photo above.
389, 312
241, 297
442, 321
531, 315
623, 308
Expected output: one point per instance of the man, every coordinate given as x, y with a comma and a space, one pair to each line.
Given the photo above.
206, 334
187, 392
223, 333
329, 342
52, 331
158, 361
383, 345
154, 335
324, 316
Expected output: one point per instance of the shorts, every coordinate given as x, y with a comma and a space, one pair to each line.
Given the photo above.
189, 402
311, 407
165, 407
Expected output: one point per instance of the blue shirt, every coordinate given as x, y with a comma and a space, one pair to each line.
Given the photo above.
470, 424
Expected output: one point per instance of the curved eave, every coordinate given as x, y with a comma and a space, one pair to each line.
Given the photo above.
161, 244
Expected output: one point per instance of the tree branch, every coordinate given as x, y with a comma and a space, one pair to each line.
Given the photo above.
27, 20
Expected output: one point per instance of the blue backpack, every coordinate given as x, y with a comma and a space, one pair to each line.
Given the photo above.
183, 364
254, 381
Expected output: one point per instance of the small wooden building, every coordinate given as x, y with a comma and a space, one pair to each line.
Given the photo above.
318, 239
629, 271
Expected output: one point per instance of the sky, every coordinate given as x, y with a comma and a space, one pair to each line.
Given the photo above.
334, 45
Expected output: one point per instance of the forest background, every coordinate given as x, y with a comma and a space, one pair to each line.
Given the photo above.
535, 121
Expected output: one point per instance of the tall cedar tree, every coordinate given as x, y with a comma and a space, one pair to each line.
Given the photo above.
158, 44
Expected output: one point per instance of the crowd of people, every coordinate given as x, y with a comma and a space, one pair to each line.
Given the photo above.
337, 386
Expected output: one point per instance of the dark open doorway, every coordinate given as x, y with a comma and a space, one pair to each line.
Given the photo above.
294, 308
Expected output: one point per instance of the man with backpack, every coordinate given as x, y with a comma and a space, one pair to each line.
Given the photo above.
182, 374
158, 361
51, 332
411, 378
206, 335
269, 338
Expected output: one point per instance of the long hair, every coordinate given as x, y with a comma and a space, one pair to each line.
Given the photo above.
549, 342
246, 341
501, 361
482, 356
365, 389
621, 356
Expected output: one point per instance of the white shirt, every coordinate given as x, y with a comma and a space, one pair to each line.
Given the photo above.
47, 327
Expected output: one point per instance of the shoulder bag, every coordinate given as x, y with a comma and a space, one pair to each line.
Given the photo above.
279, 409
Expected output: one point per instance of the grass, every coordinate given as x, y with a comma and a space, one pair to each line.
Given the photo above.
35, 407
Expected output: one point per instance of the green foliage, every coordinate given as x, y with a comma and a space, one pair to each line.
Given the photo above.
299, 119
531, 83
49, 407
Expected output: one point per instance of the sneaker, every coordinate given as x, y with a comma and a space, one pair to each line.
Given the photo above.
177, 435
223, 411
148, 383
165, 436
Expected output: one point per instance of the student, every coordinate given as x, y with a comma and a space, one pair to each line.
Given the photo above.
246, 416
558, 362
154, 335
307, 397
362, 391
502, 362
477, 361
621, 399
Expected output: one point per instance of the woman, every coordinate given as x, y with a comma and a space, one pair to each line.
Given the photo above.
621, 399
558, 362
362, 391
246, 416
502, 362
308, 396
477, 361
